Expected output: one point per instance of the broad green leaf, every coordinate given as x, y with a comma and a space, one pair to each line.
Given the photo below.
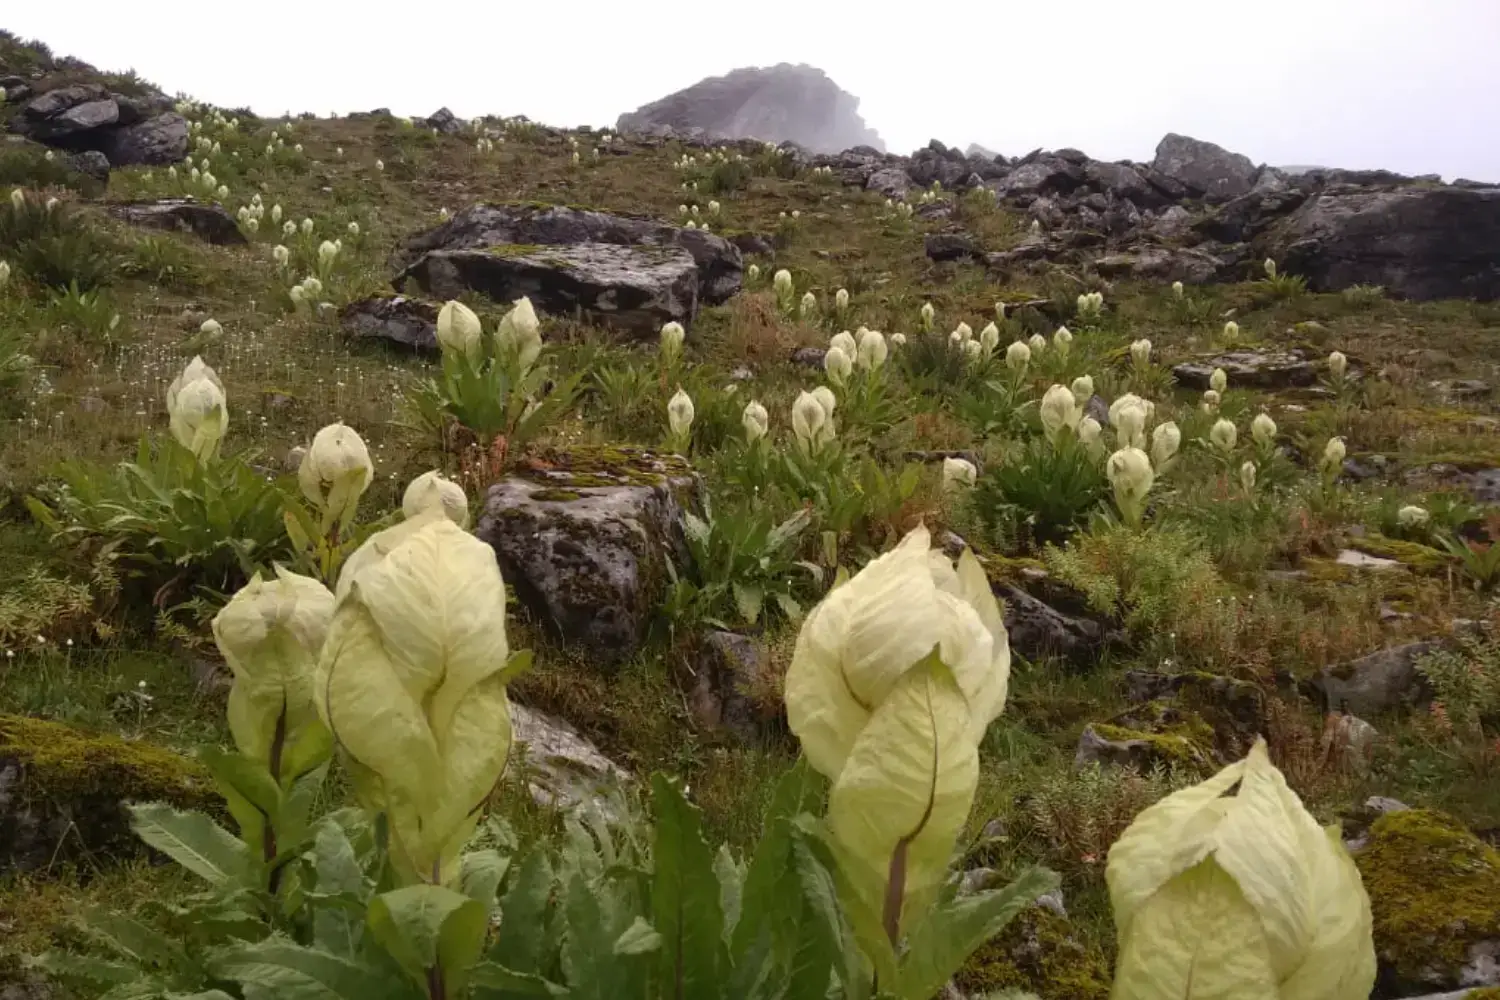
133, 940
685, 898
337, 928
731, 884
76, 969
480, 874
297, 805
495, 982
760, 899
941, 943
249, 792
639, 939
192, 840
865, 939
748, 600
523, 915
594, 971
428, 926
822, 939
277, 969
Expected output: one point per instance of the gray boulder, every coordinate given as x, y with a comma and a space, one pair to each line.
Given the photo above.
1203, 168
585, 537
396, 319
719, 265
207, 222
1048, 175
727, 670
892, 182
1382, 681
1419, 242
1191, 266
562, 769
1123, 181
86, 116
157, 141
1268, 369
1038, 630
632, 289
445, 121
950, 246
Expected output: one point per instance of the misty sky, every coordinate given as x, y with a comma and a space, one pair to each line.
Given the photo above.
1408, 85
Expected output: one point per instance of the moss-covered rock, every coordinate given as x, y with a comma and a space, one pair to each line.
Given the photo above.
1420, 558
585, 535
1038, 952
1234, 710
62, 791
1435, 895
1155, 734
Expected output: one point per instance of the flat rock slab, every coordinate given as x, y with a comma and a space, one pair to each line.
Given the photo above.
208, 222
1269, 369
563, 770
395, 319
718, 262
633, 289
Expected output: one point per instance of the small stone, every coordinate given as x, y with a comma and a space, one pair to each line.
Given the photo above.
1363, 560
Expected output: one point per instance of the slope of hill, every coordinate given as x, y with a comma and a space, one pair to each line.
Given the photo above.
1336, 599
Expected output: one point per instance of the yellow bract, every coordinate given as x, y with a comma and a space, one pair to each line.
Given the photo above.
411, 683
1229, 889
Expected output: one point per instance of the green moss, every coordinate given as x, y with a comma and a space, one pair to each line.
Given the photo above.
1038, 952
1488, 993
1434, 891
1170, 735
605, 465
557, 496
85, 776
1413, 554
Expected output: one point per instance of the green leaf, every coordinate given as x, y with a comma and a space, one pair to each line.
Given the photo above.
822, 940
761, 898
685, 898
277, 969
496, 982
428, 926
748, 600
594, 971
863, 934
480, 874
639, 938
940, 944
336, 927
523, 915
731, 885
194, 841
248, 790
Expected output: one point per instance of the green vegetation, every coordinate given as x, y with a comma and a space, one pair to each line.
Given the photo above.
120, 546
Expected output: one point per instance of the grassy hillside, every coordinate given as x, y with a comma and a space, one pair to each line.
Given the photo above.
98, 317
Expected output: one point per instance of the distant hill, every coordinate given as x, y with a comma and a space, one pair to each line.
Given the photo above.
778, 103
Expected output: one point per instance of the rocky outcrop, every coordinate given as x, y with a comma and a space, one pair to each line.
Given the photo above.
729, 672
63, 792
127, 130
395, 319
634, 290
1268, 369
208, 222
1419, 242
1382, 681
584, 537
624, 271
1205, 169
783, 103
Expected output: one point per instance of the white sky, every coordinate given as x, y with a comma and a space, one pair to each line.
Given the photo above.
1407, 85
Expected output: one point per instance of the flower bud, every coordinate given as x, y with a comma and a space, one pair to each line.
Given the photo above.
1333, 456
1130, 425
1037, 343
1090, 434
841, 299
1223, 435
519, 334
459, 330
1218, 381
270, 634
1059, 411
838, 365
1062, 340
672, 336
966, 332
1017, 356
327, 252
1263, 430
809, 305
4, 273
1412, 516
1231, 331
1083, 388
307, 227
680, 414
958, 472
1140, 352
1337, 364
809, 420
1270, 268
1166, 439
782, 281
1236, 867
989, 338
1247, 476
755, 420
897, 339
928, 314
412, 684
905, 664
430, 491
197, 410
1130, 474
844, 341
334, 473
872, 350
1211, 400
1177, 290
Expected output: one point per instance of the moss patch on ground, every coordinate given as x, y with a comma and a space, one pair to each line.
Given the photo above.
1038, 952
1434, 891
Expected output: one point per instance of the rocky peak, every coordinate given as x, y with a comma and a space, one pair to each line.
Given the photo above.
777, 104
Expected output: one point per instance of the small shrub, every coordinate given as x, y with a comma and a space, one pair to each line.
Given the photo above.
1466, 681
162, 260
54, 246
1363, 296
29, 167
1040, 495
1078, 814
